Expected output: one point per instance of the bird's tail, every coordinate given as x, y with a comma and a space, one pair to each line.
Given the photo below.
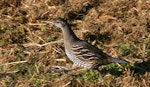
117, 60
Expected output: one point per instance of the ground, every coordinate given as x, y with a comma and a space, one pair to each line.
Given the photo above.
30, 44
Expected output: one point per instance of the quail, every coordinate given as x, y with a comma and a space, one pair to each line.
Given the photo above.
80, 52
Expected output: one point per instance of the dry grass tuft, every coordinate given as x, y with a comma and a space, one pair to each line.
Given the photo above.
30, 45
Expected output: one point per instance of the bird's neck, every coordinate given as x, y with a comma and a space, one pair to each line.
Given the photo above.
69, 35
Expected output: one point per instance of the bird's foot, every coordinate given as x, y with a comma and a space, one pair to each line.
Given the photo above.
60, 69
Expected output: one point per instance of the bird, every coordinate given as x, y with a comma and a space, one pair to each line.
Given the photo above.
80, 52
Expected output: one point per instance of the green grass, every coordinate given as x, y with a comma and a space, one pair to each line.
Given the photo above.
120, 28
128, 50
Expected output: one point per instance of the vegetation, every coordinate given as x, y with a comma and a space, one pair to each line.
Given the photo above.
30, 44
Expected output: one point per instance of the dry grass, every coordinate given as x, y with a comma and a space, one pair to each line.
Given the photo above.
30, 45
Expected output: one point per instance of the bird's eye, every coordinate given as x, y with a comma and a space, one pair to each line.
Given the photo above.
57, 22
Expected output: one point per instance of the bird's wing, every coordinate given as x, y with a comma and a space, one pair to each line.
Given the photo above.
87, 52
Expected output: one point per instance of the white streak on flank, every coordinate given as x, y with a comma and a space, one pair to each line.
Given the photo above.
84, 50
76, 47
93, 58
79, 56
88, 54
76, 53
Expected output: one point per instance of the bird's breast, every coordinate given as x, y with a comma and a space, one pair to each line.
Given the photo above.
77, 62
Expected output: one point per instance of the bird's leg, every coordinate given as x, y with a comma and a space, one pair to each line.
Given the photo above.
75, 67
64, 69
60, 69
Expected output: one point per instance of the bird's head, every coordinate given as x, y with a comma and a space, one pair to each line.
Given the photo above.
61, 23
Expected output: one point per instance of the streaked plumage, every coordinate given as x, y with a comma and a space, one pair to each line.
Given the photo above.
80, 52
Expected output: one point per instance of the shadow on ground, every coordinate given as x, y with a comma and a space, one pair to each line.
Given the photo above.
137, 68
141, 68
